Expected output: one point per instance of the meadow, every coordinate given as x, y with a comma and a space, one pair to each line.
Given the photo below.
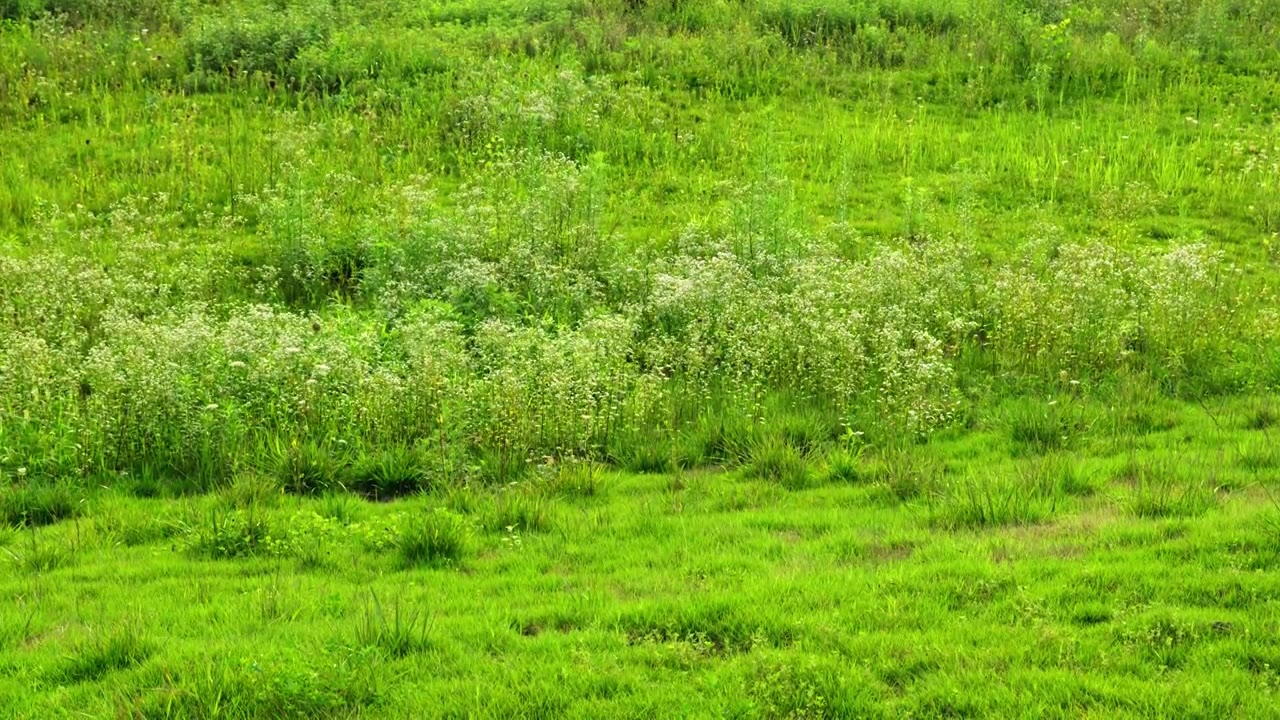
639, 358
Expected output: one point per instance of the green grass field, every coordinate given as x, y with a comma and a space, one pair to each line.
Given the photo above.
639, 358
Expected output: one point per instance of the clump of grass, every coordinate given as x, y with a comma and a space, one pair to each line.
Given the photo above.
645, 450
1258, 455
1054, 475
651, 456
715, 439
518, 507
397, 634
119, 650
1038, 427
276, 687
433, 539
305, 468
252, 489
118, 521
805, 431
1164, 488
499, 467
38, 504
773, 459
577, 478
388, 473
978, 500
1263, 415
907, 475
1091, 613
38, 556
341, 507
233, 534
843, 466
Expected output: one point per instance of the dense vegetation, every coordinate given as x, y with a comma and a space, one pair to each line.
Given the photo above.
958, 315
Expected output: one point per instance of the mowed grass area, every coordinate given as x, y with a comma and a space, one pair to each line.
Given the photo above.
613, 358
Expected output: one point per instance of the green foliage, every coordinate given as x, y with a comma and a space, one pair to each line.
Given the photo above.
278, 687
144, 12
252, 490
305, 468
36, 504
908, 475
223, 534
946, 266
843, 466
398, 634
992, 500
517, 507
388, 473
259, 40
434, 538
771, 458
577, 479
119, 650
1167, 488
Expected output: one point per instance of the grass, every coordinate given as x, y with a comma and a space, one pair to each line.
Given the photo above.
436, 538
757, 607
594, 358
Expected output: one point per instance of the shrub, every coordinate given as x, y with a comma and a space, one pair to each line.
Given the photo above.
258, 40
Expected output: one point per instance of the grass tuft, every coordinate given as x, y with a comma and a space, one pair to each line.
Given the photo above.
388, 473
397, 634
120, 650
433, 539
305, 468
843, 467
38, 504
991, 499
1162, 487
771, 458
